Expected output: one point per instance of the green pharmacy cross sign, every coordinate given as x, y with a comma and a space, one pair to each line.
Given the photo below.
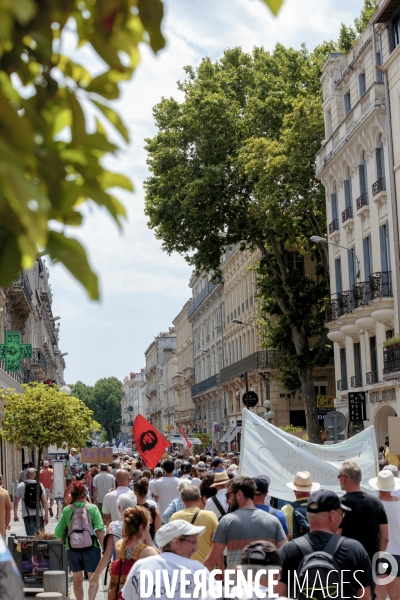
13, 351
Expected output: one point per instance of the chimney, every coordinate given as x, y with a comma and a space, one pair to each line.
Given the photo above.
133, 375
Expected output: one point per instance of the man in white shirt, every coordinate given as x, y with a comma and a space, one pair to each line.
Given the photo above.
218, 504
110, 502
178, 541
73, 462
165, 488
102, 484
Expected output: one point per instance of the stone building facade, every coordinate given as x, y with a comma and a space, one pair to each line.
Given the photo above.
132, 403
358, 166
184, 375
158, 351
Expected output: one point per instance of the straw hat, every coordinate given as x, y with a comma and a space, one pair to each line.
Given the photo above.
303, 483
220, 479
385, 482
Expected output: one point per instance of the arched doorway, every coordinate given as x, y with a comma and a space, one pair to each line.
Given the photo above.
381, 423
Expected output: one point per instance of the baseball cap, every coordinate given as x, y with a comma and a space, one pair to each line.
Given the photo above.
324, 501
174, 529
217, 461
158, 471
103, 467
262, 485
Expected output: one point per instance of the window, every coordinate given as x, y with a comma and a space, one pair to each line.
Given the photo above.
347, 103
367, 247
380, 161
343, 368
363, 179
348, 196
384, 244
338, 275
295, 262
379, 74
361, 84
352, 267
395, 31
334, 207
357, 364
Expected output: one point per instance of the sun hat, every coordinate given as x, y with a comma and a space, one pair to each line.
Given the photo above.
392, 468
175, 529
324, 501
220, 479
201, 466
385, 482
303, 483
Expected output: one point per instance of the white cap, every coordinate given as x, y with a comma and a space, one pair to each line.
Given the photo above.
175, 529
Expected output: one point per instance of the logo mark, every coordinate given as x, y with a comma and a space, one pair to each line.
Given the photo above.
384, 568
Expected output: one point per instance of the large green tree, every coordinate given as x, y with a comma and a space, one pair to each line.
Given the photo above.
42, 416
51, 159
104, 399
234, 163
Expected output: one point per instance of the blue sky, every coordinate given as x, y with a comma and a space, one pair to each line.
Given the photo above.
142, 288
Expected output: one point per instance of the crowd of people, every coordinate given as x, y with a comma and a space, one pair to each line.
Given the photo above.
198, 516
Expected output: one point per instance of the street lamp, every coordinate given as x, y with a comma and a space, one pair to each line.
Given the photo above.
239, 322
320, 240
269, 414
66, 389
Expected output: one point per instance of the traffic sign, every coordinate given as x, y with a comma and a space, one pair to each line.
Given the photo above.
335, 419
251, 400
331, 438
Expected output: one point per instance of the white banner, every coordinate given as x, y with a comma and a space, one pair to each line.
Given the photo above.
270, 451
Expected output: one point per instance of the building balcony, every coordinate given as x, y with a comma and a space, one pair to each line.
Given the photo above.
264, 359
24, 375
381, 285
206, 384
347, 214
361, 294
333, 226
151, 392
345, 303
362, 201
356, 381
391, 362
379, 186
341, 385
372, 377
331, 311
20, 294
205, 292
39, 363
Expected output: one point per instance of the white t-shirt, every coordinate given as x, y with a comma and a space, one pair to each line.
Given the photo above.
194, 481
110, 502
393, 514
210, 504
173, 564
166, 489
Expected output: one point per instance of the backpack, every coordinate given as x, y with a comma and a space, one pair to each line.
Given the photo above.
30, 495
80, 529
120, 568
318, 569
300, 521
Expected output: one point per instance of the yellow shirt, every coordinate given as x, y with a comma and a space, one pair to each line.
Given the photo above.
393, 459
288, 512
5, 504
206, 519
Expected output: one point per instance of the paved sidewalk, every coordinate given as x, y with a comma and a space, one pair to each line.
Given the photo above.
19, 530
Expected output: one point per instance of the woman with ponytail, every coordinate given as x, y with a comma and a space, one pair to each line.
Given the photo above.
130, 548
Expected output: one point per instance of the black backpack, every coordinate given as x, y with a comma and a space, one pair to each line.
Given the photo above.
301, 526
317, 569
30, 495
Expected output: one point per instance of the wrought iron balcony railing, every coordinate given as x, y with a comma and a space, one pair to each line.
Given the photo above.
341, 385
331, 311
345, 303
391, 360
362, 201
381, 285
379, 186
334, 226
22, 281
347, 214
206, 384
264, 359
372, 377
356, 381
39, 359
361, 294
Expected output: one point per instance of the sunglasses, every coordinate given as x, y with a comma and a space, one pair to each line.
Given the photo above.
228, 494
185, 539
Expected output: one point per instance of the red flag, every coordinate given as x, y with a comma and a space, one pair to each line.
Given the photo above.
188, 444
150, 443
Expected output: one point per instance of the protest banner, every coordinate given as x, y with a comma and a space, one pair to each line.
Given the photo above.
269, 450
96, 455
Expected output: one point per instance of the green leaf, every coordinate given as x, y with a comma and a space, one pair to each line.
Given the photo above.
24, 10
151, 13
274, 5
78, 125
73, 256
10, 256
109, 180
104, 86
113, 118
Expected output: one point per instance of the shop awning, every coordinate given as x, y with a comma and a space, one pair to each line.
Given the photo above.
228, 432
233, 434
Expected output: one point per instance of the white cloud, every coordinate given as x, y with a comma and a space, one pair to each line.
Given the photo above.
143, 289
